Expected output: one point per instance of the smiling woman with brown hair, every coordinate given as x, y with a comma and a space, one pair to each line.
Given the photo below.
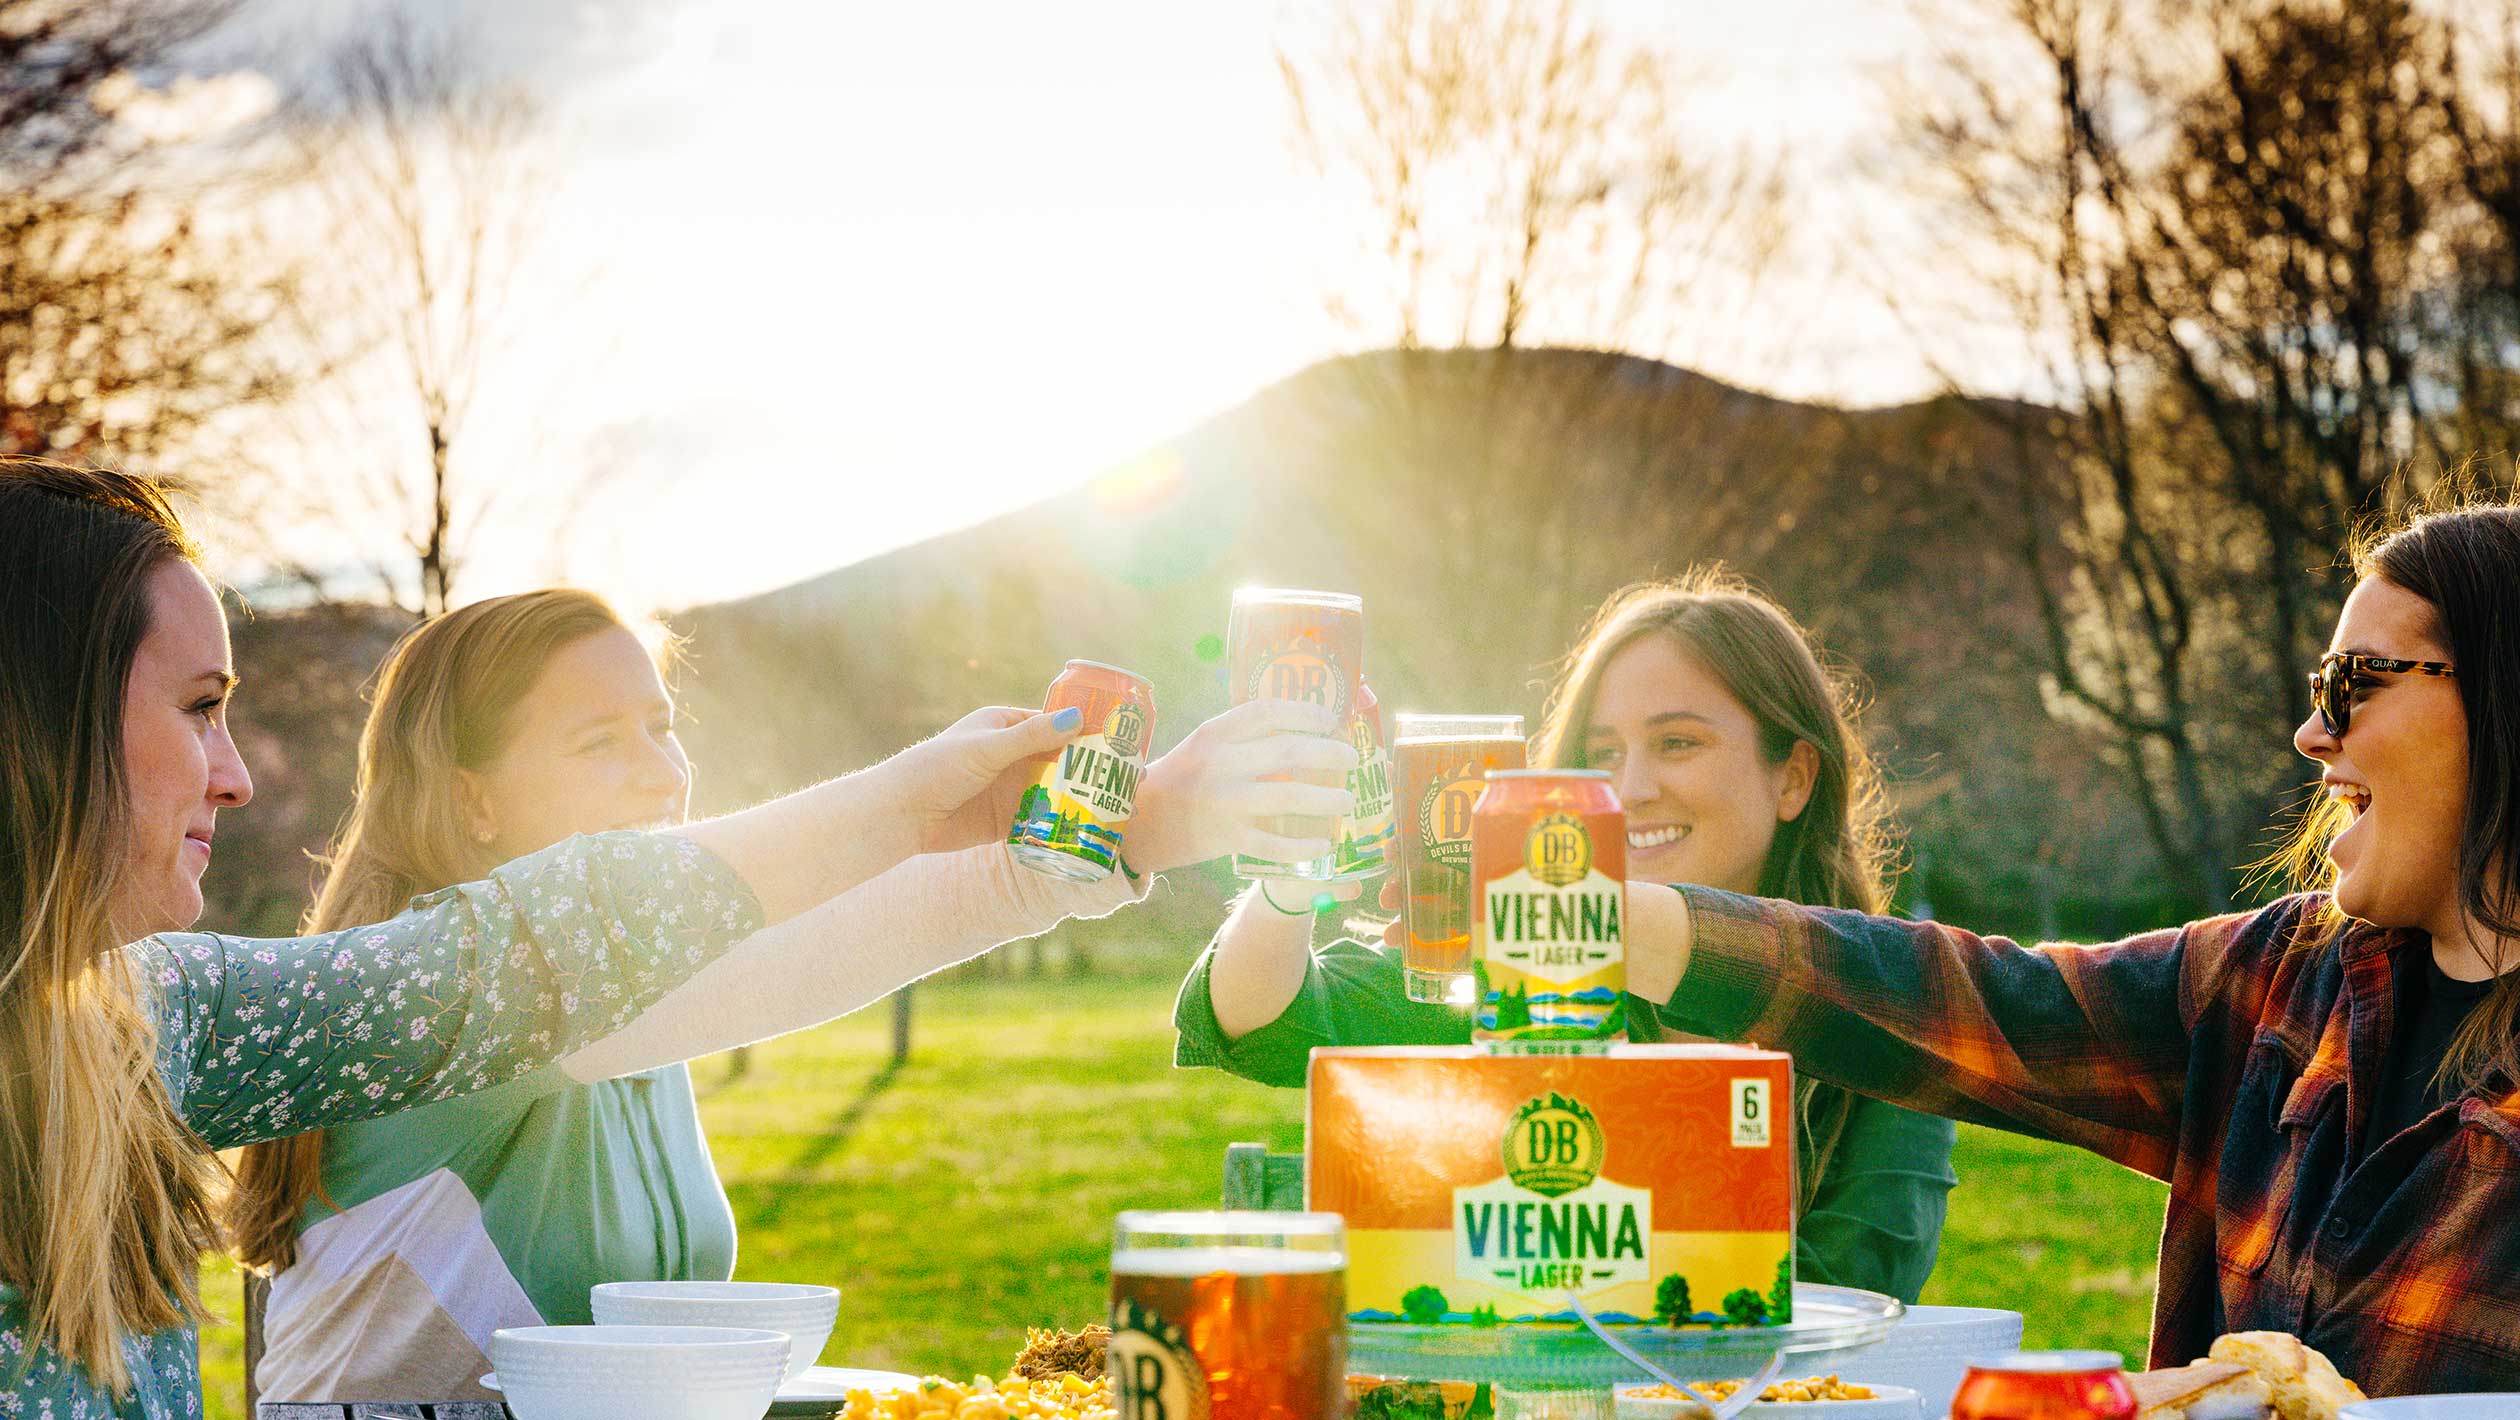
1737, 758
496, 730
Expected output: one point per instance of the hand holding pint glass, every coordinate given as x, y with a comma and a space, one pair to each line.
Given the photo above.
1229, 1316
1440, 763
1296, 645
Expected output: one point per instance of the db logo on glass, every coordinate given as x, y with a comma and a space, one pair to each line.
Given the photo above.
1750, 1114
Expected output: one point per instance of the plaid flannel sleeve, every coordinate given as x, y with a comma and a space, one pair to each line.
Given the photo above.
2085, 1045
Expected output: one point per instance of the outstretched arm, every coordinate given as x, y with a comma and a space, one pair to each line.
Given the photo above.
1225, 788
2088, 1045
920, 917
956, 790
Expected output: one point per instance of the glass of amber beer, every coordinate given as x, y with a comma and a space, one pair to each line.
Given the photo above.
1439, 763
1283, 644
1229, 1316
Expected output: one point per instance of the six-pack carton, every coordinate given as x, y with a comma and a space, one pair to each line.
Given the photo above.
1652, 1182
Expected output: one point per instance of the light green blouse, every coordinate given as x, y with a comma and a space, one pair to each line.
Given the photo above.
472, 987
450, 1221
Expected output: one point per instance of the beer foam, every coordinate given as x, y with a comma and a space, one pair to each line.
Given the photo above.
1238, 1261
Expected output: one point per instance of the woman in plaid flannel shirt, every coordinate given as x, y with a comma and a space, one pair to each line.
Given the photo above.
2330, 1085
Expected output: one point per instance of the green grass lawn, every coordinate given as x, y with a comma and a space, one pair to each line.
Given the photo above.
970, 1194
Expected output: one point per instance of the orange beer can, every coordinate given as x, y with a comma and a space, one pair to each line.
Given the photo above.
1069, 821
2046, 1385
1297, 645
1440, 764
1548, 911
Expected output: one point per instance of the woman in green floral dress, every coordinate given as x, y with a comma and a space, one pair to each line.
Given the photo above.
121, 1067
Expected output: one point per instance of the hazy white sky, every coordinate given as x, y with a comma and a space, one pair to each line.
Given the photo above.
861, 273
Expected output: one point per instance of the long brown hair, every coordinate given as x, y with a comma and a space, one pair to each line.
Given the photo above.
2460, 552
1840, 851
444, 699
104, 1191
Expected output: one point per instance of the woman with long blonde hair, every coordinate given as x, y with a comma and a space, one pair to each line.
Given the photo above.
1738, 759
397, 1246
470, 713
130, 1048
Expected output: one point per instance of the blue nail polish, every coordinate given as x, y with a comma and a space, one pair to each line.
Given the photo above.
1068, 719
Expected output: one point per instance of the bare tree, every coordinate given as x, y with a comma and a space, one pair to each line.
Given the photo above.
1525, 172
1529, 183
429, 184
2245, 237
131, 315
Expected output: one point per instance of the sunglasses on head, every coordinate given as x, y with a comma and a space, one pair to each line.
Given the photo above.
2332, 684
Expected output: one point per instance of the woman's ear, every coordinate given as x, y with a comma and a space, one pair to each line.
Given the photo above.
472, 799
1795, 778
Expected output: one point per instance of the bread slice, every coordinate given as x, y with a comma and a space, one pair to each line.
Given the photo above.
2301, 1382
2206, 1390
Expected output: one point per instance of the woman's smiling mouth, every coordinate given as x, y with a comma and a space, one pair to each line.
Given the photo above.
2354, 796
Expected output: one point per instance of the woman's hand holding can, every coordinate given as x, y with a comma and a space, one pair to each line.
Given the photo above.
1233, 784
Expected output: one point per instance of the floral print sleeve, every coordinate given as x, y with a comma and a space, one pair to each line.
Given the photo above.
471, 987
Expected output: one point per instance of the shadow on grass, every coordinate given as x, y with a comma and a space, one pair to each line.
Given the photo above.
738, 1065
826, 1145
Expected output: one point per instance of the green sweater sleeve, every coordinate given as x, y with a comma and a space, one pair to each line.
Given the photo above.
1352, 995
1876, 1212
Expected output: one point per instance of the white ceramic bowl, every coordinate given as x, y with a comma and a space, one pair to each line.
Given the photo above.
1628, 1405
1931, 1349
654, 1372
1889, 1402
2478, 1405
804, 1313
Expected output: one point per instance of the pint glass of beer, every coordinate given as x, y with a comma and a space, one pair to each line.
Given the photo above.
1439, 765
1229, 1316
1292, 645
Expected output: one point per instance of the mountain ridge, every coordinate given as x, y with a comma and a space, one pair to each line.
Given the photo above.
1483, 502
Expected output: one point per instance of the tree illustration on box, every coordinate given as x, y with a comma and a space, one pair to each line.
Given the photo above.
1781, 1296
1513, 1010
1745, 1308
1485, 1316
1671, 1301
1424, 1305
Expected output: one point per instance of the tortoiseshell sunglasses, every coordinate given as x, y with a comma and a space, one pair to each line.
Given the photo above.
2332, 684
